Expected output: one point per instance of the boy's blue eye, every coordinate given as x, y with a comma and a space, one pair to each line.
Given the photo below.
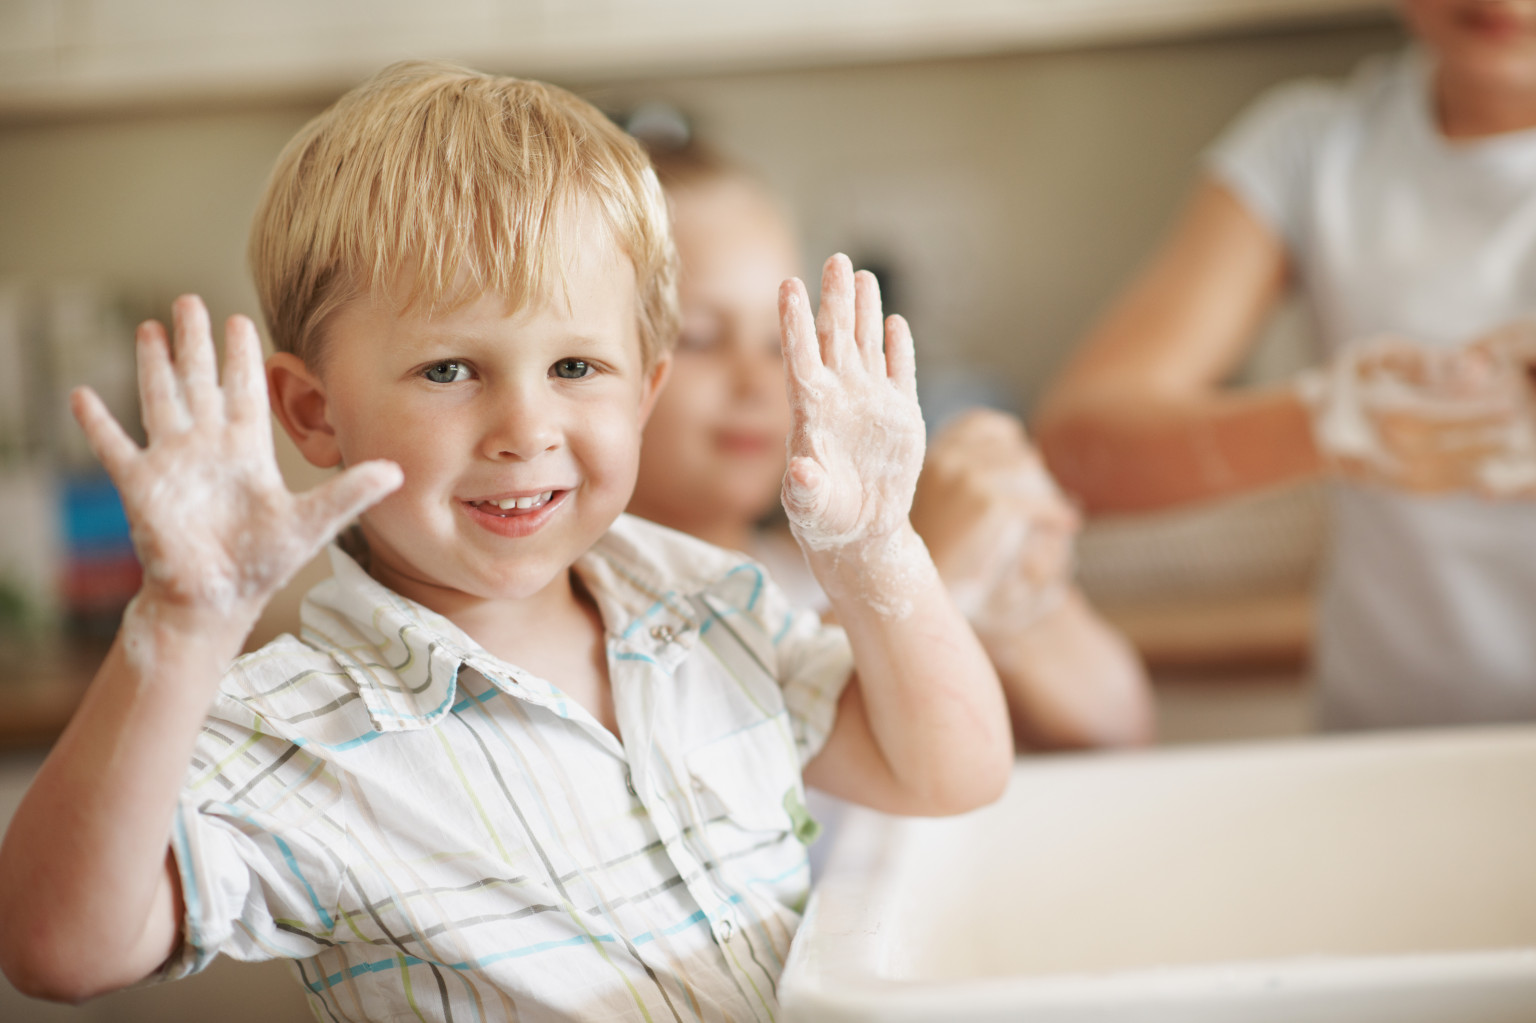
572, 369
447, 372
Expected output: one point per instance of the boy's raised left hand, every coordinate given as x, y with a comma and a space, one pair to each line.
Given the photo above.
856, 447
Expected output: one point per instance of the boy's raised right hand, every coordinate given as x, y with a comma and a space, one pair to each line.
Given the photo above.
214, 526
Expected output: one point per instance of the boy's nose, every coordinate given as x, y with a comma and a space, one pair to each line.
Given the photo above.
520, 429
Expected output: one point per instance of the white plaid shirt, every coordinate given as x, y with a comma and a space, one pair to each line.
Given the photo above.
434, 834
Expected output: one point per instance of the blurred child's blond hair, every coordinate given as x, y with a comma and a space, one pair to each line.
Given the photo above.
431, 185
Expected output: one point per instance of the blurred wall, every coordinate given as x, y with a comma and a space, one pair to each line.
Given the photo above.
1009, 195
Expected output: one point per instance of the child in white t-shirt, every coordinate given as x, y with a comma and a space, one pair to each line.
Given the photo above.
530, 758
1402, 206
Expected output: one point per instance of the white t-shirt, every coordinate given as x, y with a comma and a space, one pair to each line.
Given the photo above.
1428, 606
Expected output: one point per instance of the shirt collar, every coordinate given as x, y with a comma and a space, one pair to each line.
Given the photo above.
655, 590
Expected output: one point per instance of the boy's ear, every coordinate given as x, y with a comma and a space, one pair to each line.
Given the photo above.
654, 381
298, 401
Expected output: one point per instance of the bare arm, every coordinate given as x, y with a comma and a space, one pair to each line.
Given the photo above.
922, 728
89, 897
1138, 419
1002, 537
1072, 681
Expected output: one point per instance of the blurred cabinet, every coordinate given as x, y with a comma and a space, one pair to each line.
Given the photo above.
62, 55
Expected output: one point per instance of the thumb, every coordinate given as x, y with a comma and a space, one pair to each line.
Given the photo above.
324, 510
805, 490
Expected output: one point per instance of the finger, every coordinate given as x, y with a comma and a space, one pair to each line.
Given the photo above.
195, 363
835, 317
160, 403
900, 355
245, 380
112, 447
323, 511
869, 328
797, 333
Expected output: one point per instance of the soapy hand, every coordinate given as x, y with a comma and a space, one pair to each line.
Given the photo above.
1424, 420
999, 529
856, 446
214, 526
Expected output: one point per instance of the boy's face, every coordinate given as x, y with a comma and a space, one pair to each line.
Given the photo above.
541, 409
714, 450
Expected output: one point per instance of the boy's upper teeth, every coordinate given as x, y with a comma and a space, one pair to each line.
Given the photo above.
523, 502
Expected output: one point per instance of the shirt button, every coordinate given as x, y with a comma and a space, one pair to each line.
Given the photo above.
662, 634
724, 928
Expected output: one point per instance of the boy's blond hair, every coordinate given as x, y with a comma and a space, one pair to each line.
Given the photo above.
433, 184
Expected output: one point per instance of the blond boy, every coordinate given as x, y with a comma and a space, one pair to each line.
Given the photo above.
530, 758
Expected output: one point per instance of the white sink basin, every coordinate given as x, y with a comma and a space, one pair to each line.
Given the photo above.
1359, 879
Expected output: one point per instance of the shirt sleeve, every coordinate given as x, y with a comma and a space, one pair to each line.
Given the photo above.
257, 840
1268, 156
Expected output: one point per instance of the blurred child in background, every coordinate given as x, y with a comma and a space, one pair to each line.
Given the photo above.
713, 456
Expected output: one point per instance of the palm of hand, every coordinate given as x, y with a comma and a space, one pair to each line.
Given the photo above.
213, 523
857, 443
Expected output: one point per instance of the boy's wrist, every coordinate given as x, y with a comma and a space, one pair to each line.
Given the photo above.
153, 620
882, 573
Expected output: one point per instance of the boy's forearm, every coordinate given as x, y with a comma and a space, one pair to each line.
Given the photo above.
932, 700
83, 870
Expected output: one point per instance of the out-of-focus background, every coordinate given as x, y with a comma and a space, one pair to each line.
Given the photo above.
1006, 165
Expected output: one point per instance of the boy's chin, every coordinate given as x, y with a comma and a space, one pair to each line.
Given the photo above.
444, 587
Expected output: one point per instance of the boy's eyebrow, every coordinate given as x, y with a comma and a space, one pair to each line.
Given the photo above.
427, 338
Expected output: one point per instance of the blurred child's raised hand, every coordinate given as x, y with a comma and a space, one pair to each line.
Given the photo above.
856, 446
214, 526
999, 529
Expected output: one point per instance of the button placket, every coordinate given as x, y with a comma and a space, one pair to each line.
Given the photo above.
670, 643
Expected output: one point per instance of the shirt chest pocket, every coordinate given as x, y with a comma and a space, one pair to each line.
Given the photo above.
749, 781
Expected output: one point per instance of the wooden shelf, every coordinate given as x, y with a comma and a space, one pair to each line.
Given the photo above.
1271, 630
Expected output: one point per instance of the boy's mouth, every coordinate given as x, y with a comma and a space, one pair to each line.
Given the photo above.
510, 507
